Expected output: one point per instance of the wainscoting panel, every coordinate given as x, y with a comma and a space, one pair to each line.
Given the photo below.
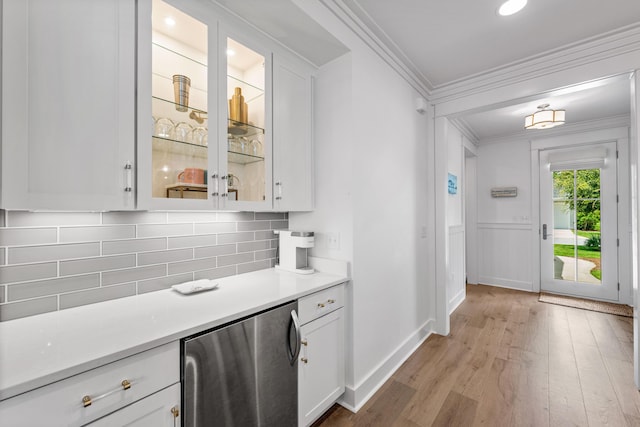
456, 290
504, 255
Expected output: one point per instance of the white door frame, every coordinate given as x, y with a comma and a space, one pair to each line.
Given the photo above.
619, 135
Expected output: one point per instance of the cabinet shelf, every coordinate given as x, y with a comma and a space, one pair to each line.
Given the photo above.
236, 128
243, 158
250, 91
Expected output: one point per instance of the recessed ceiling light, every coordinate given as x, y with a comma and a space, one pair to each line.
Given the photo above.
170, 21
511, 6
231, 52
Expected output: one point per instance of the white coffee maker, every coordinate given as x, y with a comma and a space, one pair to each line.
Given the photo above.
293, 246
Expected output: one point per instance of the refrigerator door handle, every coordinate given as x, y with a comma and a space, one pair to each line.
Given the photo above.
294, 353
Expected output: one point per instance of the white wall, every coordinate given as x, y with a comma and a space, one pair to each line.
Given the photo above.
455, 220
380, 149
471, 217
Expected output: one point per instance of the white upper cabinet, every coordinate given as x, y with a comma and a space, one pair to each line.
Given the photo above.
292, 138
68, 104
213, 133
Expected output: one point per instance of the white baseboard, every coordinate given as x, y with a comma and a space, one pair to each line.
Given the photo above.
457, 300
506, 283
354, 398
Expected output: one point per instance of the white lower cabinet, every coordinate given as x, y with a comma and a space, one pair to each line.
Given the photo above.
91, 395
161, 409
321, 374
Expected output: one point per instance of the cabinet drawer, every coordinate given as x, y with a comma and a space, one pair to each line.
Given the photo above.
61, 403
315, 305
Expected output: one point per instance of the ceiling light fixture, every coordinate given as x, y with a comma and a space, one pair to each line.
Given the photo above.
511, 6
544, 118
231, 52
170, 21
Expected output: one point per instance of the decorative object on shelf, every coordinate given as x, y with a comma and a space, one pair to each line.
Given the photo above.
452, 184
504, 192
544, 118
165, 128
238, 113
199, 136
198, 116
191, 176
184, 132
255, 147
181, 85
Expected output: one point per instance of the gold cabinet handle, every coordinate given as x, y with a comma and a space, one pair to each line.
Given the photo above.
304, 342
320, 305
126, 385
175, 411
331, 301
304, 360
86, 401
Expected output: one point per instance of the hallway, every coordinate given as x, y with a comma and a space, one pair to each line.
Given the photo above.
511, 361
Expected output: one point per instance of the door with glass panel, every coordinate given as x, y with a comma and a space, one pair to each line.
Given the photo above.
578, 221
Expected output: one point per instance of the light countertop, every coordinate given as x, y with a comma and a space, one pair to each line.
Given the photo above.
39, 350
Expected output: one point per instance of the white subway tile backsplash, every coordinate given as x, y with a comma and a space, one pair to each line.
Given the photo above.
27, 272
153, 285
91, 296
56, 260
235, 259
16, 310
235, 216
235, 237
25, 254
211, 251
264, 235
254, 225
192, 217
134, 218
260, 255
133, 245
254, 246
280, 225
42, 288
92, 265
194, 265
57, 219
215, 273
269, 216
215, 227
27, 236
97, 233
156, 230
253, 266
133, 274
192, 241
159, 257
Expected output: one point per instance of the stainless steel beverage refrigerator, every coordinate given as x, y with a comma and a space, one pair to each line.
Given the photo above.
245, 373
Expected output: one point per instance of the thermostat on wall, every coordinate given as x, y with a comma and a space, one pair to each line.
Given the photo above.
504, 192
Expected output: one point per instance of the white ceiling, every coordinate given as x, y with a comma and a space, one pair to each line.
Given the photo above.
447, 41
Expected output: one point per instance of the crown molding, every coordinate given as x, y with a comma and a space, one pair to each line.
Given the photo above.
566, 129
625, 40
362, 25
461, 124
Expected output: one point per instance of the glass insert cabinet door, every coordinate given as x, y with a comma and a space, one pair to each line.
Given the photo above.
246, 151
179, 104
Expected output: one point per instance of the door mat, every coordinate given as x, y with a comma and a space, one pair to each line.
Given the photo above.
587, 304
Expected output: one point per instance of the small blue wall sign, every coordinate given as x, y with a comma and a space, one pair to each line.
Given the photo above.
453, 184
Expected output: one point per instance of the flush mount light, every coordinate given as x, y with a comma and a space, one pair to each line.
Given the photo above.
170, 21
544, 118
231, 52
511, 6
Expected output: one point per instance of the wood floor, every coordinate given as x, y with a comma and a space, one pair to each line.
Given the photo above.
511, 361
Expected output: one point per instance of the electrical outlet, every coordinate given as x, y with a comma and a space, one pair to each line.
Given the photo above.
333, 240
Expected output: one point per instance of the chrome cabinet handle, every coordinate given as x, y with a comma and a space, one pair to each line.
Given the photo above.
304, 343
128, 170
225, 185
216, 184
320, 305
279, 187
304, 360
331, 301
296, 351
88, 400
